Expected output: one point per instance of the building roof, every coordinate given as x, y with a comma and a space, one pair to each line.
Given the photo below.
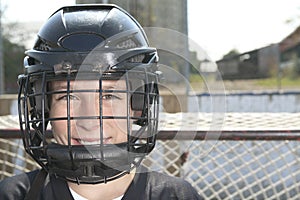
290, 41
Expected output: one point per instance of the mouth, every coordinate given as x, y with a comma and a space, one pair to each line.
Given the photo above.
88, 141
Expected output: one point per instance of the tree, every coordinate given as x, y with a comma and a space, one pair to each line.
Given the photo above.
231, 53
13, 54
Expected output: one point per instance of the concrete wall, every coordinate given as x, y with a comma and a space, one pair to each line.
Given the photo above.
247, 102
8, 104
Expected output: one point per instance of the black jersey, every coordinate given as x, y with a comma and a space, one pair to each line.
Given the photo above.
148, 185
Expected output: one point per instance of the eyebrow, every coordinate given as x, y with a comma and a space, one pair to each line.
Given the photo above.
63, 86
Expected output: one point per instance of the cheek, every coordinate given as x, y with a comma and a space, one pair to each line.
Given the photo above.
121, 111
116, 108
59, 127
57, 110
119, 129
121, 125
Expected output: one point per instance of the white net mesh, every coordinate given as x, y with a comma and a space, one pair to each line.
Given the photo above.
223, 169
235, 169
13, 159
231, 170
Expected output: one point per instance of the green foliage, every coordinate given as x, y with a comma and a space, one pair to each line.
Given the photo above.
196, 78
285, 82
13, 55
231, 53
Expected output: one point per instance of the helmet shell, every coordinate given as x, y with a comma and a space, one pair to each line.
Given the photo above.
72, 33
81, 28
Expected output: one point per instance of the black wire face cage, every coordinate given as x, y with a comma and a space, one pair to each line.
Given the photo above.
89, 128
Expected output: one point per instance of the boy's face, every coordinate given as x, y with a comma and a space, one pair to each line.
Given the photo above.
86, 104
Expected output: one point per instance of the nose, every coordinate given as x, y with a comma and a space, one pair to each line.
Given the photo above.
88, 124
88, 107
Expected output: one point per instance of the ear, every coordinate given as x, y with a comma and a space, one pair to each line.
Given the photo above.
51, 125
137, 113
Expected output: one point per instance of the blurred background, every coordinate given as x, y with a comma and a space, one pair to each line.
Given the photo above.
255, 44
246, 51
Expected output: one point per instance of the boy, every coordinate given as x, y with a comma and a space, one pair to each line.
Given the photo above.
92, 77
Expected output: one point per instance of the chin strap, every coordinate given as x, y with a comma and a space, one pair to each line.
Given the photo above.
37, 186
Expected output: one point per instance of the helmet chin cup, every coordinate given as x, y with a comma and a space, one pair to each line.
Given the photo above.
88, 165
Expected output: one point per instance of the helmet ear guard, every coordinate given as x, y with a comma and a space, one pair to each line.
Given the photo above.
144, 95
138, 97
41, 98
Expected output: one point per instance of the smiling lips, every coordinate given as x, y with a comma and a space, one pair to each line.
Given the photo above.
90, 141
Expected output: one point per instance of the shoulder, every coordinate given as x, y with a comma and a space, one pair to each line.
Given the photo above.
171, 187
16, 187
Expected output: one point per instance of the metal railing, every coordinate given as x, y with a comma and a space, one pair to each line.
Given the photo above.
242, 163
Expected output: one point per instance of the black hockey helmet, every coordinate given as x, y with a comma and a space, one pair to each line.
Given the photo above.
89, 42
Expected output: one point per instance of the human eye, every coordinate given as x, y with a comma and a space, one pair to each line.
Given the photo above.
65, 97
111, 96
